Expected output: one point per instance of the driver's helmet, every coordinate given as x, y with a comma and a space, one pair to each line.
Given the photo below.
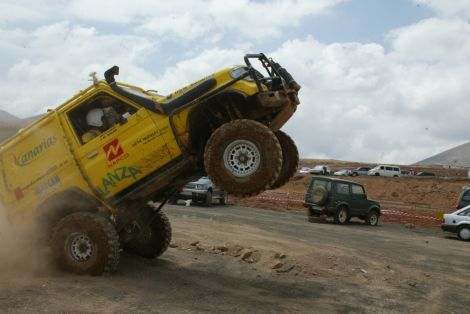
94, 117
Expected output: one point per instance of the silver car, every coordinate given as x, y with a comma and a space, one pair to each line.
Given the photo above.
200, 191
320, 169
458, 222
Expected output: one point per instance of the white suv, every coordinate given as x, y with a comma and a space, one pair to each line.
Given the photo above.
458, 222
386, 171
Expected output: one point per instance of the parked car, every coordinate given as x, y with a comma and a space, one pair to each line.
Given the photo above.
342, 172
320, 169
458, 222
200, 191
386, 171
425, 174
305, 170
464, 198
406, 173
361, 171
340, 199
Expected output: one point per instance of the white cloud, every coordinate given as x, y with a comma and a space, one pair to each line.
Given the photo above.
57, 63
361, 103
358, 102
193, 69
446, 8
186, 19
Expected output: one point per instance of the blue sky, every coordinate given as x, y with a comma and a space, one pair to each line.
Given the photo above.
383, 81
365, 20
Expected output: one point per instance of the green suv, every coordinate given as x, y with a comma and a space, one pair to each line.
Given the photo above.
340, 199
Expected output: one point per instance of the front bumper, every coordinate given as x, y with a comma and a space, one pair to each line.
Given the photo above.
449, 228
192, 194
285, 99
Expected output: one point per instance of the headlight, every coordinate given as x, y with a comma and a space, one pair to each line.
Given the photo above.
200, 187
237, 72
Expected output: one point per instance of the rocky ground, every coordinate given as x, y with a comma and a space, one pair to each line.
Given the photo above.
261, 255
237, 259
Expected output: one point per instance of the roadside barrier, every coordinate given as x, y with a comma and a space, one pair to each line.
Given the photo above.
296, 199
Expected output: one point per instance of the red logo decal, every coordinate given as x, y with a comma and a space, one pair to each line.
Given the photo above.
19, 193
113, 150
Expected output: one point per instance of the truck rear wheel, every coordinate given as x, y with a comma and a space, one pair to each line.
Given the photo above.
154, 237
243, 157
341, 215
290, 159
85, 243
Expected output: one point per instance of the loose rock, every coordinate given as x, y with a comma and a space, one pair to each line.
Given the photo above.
222, 248
246, 255
277, 265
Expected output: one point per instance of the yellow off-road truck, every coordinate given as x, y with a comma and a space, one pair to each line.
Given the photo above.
86, 171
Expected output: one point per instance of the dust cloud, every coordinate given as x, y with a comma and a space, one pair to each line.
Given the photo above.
21, 249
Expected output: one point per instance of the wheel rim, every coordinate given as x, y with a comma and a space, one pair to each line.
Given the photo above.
373, 219
343, 216
80, 247
465, 233
242, 158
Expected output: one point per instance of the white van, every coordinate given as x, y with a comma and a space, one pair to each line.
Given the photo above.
386, 171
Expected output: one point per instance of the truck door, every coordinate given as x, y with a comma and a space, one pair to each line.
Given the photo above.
119, 156
358, 200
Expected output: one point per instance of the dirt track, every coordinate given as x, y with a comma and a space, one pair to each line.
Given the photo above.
222, 259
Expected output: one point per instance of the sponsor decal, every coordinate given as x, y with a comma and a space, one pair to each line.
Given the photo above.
113, 149
35, 152
55, 180
114, 153
147, 138
19, 193
117, 175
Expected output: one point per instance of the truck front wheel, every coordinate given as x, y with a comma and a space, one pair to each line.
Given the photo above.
243, 157
85, 243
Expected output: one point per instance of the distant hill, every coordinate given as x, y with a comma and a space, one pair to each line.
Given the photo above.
5, 117
455, 157
9, 124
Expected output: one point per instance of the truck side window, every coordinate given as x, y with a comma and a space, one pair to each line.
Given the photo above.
357, 190
466, 196
326, 184
465, 213
98, 115
342, 188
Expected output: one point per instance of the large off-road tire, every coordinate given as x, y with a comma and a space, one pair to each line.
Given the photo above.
243, 157
290, 159
154, 236
85, 243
